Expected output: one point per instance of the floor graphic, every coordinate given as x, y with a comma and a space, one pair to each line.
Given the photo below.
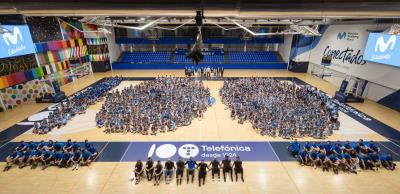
262, 151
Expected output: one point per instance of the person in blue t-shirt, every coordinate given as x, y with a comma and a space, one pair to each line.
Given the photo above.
93, 151
12, 159
313, 158
387, 161
87, 158
21, 146
32, 145
75, 146
66, 156
86, 144
362, 161
294, 148
58, 156
76, 159
369, 164
50, 145
58, 146
302, 156
375, 159
373, 147
68, 145
334, 162
41, 145
25, 157
47, 158
308, 146
191, 168
328, 147
326, 162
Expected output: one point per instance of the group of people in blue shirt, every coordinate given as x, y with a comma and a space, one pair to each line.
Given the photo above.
77, 104
50, 153
280, 108
347, 156
204, 72
153, 106
156, 170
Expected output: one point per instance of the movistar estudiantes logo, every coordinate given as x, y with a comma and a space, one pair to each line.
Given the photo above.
13, 37
381, 45
341, 35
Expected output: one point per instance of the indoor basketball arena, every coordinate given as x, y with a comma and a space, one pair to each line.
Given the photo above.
199, 96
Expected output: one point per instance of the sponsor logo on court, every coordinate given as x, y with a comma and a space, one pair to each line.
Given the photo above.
248, 151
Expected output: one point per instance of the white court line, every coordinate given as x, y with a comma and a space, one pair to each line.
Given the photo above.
276, 155
389, 149
392, 141
125, 151
5, 144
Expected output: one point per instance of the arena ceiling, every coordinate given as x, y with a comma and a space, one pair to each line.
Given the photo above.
213, 8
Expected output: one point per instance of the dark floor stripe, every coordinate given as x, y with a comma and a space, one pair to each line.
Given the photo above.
281, 150
113, 152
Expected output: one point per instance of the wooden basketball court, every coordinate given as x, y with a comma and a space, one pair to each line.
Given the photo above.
111, 174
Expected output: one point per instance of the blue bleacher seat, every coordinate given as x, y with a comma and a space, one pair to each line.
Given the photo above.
215, 56
146, 57
253, 57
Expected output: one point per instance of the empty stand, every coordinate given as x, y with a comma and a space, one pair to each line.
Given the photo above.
253, 57
146, 57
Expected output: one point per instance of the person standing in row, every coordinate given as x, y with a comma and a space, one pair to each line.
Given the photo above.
149, 169
158, 173
203, 167
180, 166
169, 170
226, 167
215, 168
237, 164
190, 170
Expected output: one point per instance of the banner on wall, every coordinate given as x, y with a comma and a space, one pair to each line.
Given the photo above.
16, 41
69, 32
346, 46
383, 48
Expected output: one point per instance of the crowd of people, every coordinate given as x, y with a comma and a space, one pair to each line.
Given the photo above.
153, 106
346, 156
77, 104
50, 153
155, 170
280, 108
204, 72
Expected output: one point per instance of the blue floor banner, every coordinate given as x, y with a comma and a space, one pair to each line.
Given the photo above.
248, 151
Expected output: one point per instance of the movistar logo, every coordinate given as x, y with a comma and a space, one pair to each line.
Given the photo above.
13, 37
341, 35
381, 45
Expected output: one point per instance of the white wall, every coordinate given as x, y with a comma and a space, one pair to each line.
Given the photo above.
114, 49
284, 49
383, 79
373, 91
